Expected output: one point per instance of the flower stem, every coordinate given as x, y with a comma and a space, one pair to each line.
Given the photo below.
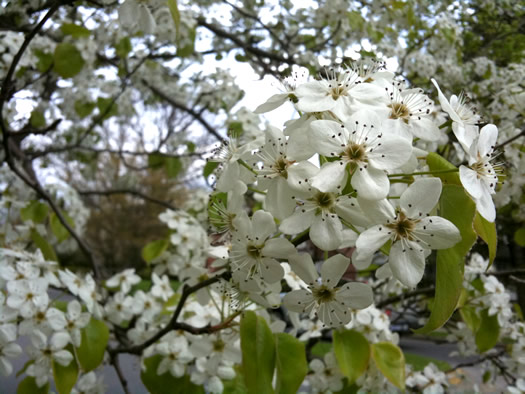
425, 173
244, 164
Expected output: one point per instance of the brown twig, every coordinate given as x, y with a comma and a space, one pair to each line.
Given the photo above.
132, 192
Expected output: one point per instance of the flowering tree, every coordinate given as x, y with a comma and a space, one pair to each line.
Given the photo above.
295, 243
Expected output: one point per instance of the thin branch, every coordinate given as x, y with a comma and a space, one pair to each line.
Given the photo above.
510, 140
174, 325
404, 296
116, 365
135, 193
182, 107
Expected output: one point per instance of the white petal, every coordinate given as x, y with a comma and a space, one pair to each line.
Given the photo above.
330, 176
425, 129
304, 267
407, 263
333, 269
349, 209
272, 271
356, 295
298, 222
279, 248
299, 147
279, 199
5, 366
272, 103
384, 272
421, 197
74, 310
263, 225
445, 105
63, 357
485, 206
361, 261
391, 154
380, 211
470, 181
487, 139
59, 340
327, 137
370, 183
326, 232
437, 232
372, 239
297, 300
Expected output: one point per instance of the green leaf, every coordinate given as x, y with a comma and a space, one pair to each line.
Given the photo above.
173, 166
189, 48
65, 377
289, 352
437, 163
488, 332
191, 146
352, 352
175, 14
154, 249
67, 60
95, 338
487, 231
209, 167
160, 384
235, 385
37, 119
470, 317
390, 361
28, 386
235, 129
123, 47
107, 106
419, 362
457, 207
76, 31
84, 108
45, 60
321, 348
35, 211
258, 354
58, 229
47, 250
155, 160
519, 237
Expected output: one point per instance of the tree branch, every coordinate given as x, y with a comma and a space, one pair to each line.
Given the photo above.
135, 193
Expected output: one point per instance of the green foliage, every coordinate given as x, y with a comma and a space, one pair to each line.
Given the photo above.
160, 384
107, 107
46, 249
154, 249
37, 119
390, 361
487, 232
291, 364
60, 232
95, 337
488, 332
173, 166
35, 211
470, 317
321, 348
45, 60
352, 352
84, 108
76, 31
437, 163
123, 47
419, 362
65, 377
457, 207
519, 237
209, 167
28, 386
68, 61
258, 354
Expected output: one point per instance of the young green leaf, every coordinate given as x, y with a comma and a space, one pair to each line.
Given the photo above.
487, 232
160, 384
65, 377
258, 354
28, 386
154, 249
95, 338
67, 60
457, 207
390, 361
352, 352
290, 362
488, 333
35, 211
